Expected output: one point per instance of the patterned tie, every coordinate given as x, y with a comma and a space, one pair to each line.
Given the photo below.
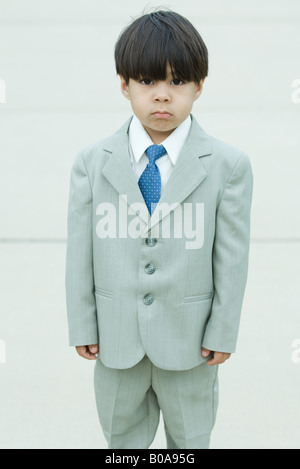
150, 181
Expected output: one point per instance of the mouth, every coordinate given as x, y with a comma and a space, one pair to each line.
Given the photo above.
161, 114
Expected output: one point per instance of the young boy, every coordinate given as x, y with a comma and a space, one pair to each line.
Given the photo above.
158, 243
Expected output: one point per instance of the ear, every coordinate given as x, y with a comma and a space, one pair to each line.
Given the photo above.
124, 88
199, 89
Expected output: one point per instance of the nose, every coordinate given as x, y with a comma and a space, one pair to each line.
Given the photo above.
161, 93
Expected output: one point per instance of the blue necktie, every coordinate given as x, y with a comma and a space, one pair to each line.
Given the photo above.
150, 181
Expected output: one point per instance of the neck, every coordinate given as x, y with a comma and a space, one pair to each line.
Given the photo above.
156, 136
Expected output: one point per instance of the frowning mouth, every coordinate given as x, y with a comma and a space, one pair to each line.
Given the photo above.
161, 114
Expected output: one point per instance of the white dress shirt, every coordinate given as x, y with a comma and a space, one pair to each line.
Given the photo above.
139, 141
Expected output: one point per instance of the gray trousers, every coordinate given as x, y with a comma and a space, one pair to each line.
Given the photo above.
129, 402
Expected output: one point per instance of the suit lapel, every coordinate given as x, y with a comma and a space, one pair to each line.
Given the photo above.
187, 174
118, 170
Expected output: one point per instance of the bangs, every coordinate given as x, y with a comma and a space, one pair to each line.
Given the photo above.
151, 43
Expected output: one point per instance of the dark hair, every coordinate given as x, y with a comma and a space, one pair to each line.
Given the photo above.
149, 43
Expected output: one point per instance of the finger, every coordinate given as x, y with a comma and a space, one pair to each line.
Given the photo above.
215, 360
218, 359
205, 352
84, 352
93, 349
81, 350
212, 362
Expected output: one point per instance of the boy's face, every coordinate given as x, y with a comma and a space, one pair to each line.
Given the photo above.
161, 106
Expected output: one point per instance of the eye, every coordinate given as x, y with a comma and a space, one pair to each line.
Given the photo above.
146, 81
177, 82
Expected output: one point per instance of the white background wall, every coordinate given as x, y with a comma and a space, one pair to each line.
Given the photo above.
56, 59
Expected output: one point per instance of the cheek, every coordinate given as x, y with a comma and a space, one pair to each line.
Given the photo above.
139, 102
190, 97
185, 101
138, 109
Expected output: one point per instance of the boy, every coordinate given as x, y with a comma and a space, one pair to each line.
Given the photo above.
157, 311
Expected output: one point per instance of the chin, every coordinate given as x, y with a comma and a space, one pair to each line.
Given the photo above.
163, 124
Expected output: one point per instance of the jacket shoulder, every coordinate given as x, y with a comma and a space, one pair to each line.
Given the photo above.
226, 158
91, 151
91, 155
227, 152
94, 151
222, 153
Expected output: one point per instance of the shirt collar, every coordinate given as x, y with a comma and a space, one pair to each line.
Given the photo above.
140, 140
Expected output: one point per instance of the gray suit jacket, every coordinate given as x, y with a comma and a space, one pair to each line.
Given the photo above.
163, 285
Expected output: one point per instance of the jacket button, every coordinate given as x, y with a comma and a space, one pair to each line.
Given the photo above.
151, 242
150, 268
148, 299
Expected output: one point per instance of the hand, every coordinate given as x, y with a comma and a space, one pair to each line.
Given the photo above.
217, 359
88, 351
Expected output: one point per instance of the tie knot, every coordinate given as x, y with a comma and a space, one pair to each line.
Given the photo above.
154, 152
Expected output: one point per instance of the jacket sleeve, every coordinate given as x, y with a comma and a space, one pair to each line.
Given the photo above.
79, 278
230, 259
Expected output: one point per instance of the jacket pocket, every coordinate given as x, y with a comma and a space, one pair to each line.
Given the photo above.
204, 296
105, 293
